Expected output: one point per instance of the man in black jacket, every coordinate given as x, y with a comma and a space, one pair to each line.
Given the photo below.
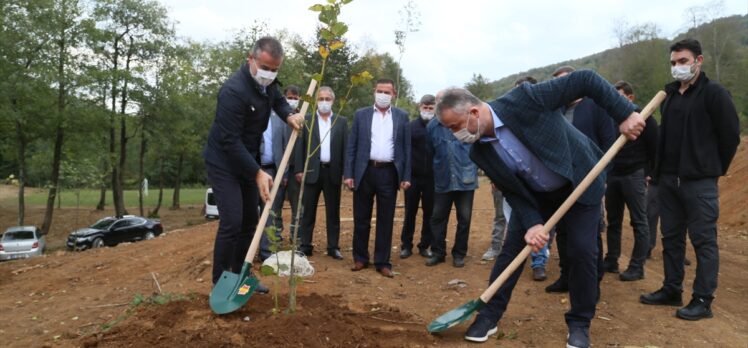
421, 183
627, 187
698, 139
233, 149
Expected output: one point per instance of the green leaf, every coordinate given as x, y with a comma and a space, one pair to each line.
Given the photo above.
267, 270
346, 2
317, 7
339, 29
336, 45
331, 1
326, 34
317, 77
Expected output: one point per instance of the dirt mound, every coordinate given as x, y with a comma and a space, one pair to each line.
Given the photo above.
320, 321
733, 190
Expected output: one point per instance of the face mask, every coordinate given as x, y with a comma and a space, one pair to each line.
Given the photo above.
683, 72
465, 136
324, 107
382, 100
427, 115
293, 103
264, 77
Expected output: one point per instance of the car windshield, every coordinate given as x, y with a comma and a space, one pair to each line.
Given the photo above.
18, 235
103, 224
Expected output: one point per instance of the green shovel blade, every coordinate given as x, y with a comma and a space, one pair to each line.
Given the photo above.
233, 290
455, 316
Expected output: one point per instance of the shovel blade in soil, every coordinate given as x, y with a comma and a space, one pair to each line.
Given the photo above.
455, 316
232, 290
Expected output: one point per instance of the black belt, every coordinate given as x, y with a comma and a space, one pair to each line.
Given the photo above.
324, 164
268, 166
379, 164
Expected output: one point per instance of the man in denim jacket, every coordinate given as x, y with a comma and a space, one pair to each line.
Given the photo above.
455, 181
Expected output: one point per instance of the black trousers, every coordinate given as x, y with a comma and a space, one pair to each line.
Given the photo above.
463, 203
421, 190
653, 213
379, 182
276, 217
330, 187
627, 191
690, 206
580, 224
237, 201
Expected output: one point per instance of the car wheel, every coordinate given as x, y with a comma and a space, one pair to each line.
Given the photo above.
149, 235
97, 243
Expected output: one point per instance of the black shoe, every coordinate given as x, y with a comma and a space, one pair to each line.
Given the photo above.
480, 329
425, 253
261, 289
579, 337
662, 297
335, 254
307, 252
610, 266
405, 253
630, 275
458, 262
698, 308
434, 260
559, 286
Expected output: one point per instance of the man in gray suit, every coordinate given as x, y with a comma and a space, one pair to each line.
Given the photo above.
276, 135
325, 153
536, 158
377, 162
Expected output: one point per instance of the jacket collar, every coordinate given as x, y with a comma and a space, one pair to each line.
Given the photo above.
674, 87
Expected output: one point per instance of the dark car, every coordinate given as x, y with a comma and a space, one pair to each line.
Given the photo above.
111, 231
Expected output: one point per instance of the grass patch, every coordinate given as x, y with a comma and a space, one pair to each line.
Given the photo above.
90, 197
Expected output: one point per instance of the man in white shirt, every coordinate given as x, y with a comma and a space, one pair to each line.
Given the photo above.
325, 153
377, 163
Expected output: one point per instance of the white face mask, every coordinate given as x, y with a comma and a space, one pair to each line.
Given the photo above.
427, 115
683, 72
264, 77
324, 107
293, 103
464, 134
382, 100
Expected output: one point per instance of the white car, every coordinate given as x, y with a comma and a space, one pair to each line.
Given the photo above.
211, 208
22, 242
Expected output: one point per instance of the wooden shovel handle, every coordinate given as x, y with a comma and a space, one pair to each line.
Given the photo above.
583, 185
277, 182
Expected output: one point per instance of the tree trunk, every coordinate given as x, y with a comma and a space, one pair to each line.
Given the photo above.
57, 152
160, 187
102, 194
141, 174
21, 138
56, 157
177, 183
119, 208
123, 131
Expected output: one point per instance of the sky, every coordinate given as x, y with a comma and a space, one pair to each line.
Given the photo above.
455, 39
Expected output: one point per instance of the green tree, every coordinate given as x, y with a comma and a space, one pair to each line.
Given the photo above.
480, 87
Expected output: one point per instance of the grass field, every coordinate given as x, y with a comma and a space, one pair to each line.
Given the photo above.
89, 197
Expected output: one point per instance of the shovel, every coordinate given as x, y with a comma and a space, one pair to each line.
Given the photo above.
233, 290
465, 312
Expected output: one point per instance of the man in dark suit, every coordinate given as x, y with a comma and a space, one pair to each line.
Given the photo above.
422, 183
536, 158
232, 153
377, 162
325, 153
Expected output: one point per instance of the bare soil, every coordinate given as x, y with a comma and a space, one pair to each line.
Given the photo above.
85, 298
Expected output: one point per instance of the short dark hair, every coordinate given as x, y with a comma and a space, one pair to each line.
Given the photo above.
291, 89
268, 44
625, 87
692, 45
385, 81
563, 69
427, 99
529, 79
